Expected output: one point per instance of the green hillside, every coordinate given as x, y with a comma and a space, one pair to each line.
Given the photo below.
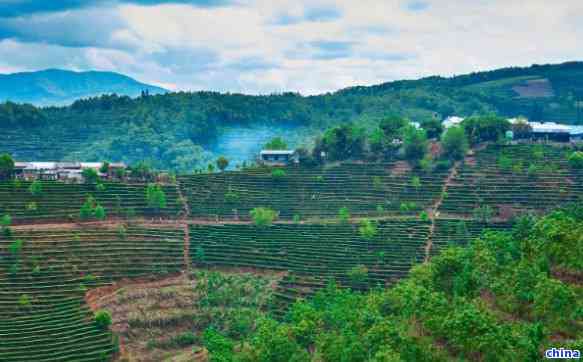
180, 131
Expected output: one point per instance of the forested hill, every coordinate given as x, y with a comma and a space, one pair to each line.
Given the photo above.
177, 130
62, 87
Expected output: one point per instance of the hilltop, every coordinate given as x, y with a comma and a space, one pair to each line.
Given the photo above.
63, 87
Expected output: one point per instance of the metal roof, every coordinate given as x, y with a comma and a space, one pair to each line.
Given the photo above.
277, 152
549, 127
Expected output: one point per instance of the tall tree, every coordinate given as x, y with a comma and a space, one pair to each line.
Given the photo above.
6, 166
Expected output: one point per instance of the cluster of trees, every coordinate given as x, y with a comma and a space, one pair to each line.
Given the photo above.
497, 299
173, 130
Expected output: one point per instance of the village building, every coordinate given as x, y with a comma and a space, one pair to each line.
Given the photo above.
50, 171
278, 157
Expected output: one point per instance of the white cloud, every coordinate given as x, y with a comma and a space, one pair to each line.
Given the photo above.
317, 46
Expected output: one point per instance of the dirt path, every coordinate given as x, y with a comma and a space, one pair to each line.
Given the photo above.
434, 213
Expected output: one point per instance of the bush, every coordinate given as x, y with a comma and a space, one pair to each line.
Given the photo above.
276, 143
424, 216
343, 215
16, 247
86, 211
576, 160
231, 197
31, 207
297, 218
156, 197
358, 274
505, 163
35, 188
99, 212
100, 187
102, 319
483, 213
263, 216
90, 176
278, 174
368, 229
6, 220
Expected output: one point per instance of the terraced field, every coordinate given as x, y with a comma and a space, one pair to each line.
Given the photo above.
44, 278
514, 178
60, 201
366, 189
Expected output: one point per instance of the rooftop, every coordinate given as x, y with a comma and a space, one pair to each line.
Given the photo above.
277, 152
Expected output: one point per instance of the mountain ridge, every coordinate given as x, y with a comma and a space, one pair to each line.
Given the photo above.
50, 87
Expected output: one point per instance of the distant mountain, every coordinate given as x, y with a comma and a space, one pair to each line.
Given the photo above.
63, 87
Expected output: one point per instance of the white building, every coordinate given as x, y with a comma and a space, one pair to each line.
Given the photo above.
452, 121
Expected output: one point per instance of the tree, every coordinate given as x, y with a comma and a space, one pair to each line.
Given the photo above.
433, 127
392, 126
415, 144
87, 208
222, 163
342, 143
90, 176
263, 216
102, 319
368, 229
485, 128
276, 143
521, 129
358, 274
6, 166
35, 188
155, 197
104, 168
99, 212
576, 160
343, 215
454, 143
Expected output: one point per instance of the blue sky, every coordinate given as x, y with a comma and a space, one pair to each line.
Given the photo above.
265, 46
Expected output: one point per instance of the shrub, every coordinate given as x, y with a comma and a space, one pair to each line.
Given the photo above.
505, 163
358, 274
99, 212
297, 218
156, 197
35, 188
31, 207
231, 197
15, 247
343, 215
6, 220
121, 232
377, 182
87, 208
6, 166
102, 319
263, 216
219, 346
368, 229
278, 174
199, 255
90, 176
424, 216
576, 160
100, 187
483, 213
320, 178
24, 301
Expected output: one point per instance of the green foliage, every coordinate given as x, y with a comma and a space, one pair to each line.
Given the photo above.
99, 212
102, 319
278, 174
35, 188
231, 196
433, 127
16, 246
6, 220
87, 208
454, 143
297, 218
220, 347
24, 301
6, 166
104, 168
100, 187
222, 163
485, 128
576, 160
368, 229
343, 215
483, 213
423, 216
415, 144
263, 216
342, 142
505, 163
276, 143
156, 197
90, 176
377, 182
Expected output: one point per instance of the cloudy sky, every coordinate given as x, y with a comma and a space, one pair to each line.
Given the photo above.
265, 46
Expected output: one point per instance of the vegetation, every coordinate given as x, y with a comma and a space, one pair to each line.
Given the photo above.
576, 160
90, 176
276, 143
156, 197
222, 163
454, 143
263, 216
493, 300
6, 166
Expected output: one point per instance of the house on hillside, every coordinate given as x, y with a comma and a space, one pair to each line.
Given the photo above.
452, 121
278, 157
550, 131
59, 170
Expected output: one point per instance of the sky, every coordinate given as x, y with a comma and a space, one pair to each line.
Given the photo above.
271, 46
